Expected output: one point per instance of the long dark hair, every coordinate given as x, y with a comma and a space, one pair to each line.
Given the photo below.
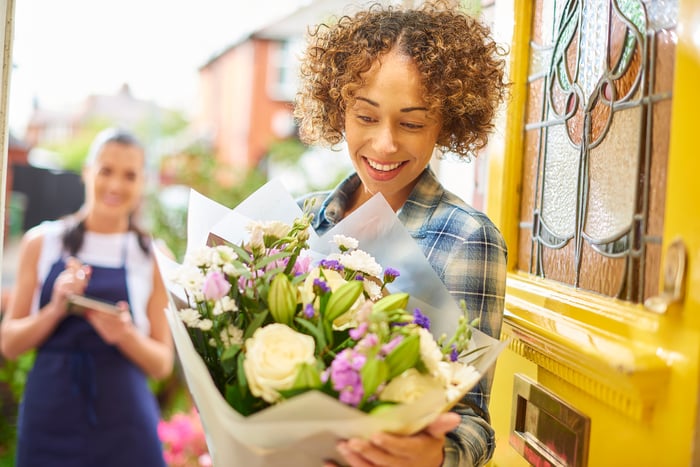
75, 231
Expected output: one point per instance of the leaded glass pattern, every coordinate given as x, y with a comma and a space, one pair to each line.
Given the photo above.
596, 143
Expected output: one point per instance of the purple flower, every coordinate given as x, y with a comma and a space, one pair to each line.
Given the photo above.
215, 285
345, 376
359, 277
420, 319
454, 354
352, 395
369, 341
359, 331
331, 264
390, 274
320, 286
309, 311
391, 345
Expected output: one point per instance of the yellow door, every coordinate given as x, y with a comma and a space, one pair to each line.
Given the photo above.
593, 185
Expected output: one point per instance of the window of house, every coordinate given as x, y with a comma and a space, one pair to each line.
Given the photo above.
285, 66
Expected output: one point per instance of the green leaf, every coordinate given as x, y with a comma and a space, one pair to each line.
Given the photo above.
242, 253
315, 331
258, 320
229, 357
265, 260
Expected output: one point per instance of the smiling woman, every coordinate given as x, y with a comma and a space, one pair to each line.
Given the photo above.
398, 85
96, 364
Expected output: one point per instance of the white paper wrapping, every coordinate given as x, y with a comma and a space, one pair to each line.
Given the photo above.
304, 429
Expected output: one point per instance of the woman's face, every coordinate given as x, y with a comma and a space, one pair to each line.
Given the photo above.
389, 133
114, 182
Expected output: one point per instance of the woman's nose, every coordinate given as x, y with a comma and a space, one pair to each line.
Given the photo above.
385, 140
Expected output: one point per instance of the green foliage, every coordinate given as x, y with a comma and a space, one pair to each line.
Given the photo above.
72, 153
13, 375
287, 151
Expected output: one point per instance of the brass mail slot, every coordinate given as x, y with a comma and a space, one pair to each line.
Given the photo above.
544, 429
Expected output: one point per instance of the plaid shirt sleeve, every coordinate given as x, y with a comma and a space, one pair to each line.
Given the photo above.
471, 443
469, 255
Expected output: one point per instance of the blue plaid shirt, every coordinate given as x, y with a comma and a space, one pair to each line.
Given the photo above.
469, 255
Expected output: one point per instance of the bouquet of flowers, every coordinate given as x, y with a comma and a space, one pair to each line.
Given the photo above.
270, 324
305, 343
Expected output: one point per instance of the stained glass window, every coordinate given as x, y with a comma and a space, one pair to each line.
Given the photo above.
596, 143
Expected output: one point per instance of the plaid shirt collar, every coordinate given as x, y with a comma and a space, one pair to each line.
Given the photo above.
419, 206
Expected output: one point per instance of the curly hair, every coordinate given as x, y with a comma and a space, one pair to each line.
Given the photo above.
461, 67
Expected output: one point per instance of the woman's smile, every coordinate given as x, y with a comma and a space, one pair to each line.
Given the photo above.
383, 170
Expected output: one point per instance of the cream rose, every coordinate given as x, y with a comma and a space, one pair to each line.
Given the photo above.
273, 355
409, 386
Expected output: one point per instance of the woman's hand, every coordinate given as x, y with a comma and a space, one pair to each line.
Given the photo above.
72, 280
111, 327
423, 449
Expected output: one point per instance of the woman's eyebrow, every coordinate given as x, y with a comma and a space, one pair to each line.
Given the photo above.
376, 104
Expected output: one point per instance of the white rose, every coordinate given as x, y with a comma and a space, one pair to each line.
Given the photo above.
409, 386
273, 355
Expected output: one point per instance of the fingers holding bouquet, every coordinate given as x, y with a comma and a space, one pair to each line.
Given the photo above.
422, 449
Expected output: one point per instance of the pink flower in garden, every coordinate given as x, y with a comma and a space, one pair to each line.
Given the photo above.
184, 443
215, 285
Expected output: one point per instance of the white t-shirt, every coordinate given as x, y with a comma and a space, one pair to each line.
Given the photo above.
106, 250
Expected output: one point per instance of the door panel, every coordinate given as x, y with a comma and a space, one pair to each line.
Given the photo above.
590, 184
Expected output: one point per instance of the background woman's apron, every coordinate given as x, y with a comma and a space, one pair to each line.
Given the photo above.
85, 404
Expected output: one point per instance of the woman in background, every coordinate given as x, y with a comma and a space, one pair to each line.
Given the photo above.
396, 85
87, 401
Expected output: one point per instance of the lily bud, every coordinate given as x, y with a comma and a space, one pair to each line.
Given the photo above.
373, 373
404, 356
282, 299
342, 299
395, 301
308, 377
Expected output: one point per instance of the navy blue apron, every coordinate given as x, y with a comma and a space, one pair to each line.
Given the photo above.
85, 404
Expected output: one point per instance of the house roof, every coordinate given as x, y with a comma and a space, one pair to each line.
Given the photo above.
313, 12
296, 24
